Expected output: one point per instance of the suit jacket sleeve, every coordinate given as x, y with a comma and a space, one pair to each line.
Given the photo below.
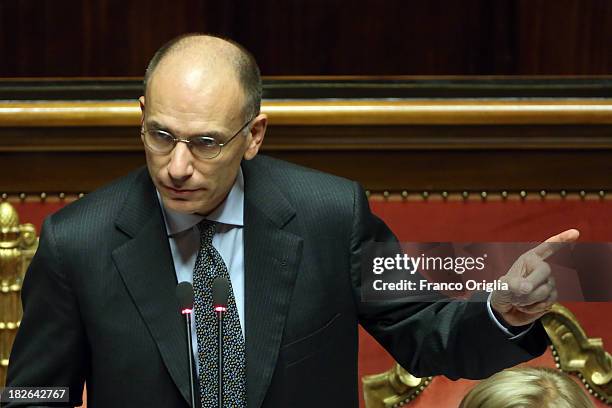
50, 347
454, 338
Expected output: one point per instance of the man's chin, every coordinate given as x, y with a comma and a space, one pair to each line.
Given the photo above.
180, 205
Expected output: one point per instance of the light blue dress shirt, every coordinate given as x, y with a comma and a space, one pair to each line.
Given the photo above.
184, 239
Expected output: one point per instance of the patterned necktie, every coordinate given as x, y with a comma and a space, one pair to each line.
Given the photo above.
208, 266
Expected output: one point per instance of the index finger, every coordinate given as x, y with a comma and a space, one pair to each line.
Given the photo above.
556, 242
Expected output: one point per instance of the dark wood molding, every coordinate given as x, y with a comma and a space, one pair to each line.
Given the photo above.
74, 171
322, 87
390, 144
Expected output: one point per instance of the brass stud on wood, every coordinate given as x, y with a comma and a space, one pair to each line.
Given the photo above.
563, 193
425, 195
405, 194
445, 195
465, 195
483, 195
386, 194
4, 196
582, 194
43, 196
367, 193
602, 193
81, 195
504, 194
523, 194
22, 196
543, 193
62, 196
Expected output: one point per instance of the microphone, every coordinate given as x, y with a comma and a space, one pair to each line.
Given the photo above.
184, 294
221, 288
220, 294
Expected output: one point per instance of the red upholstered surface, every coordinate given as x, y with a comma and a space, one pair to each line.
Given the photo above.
35, 212
497, 221
430, 221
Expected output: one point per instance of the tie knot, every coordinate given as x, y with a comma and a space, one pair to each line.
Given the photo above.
207, 231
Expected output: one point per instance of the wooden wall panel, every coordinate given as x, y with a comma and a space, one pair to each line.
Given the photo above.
314, 37
89, 37
564, 36
529, 135
415, 158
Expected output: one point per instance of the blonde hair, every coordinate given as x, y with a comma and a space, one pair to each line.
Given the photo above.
527, 387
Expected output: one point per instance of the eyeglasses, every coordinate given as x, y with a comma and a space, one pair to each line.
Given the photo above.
203, 147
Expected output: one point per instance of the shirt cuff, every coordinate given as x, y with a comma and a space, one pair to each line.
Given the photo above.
511, 335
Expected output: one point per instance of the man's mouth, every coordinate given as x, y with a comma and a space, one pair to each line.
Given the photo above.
180, 191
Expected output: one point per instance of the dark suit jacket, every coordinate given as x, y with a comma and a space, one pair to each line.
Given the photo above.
99, 300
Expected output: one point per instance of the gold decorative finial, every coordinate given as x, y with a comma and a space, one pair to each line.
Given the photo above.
8, 216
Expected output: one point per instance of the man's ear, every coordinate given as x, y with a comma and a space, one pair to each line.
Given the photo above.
256, 136
141, 100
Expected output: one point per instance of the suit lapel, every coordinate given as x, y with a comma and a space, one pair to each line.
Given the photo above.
272, 257
145, 264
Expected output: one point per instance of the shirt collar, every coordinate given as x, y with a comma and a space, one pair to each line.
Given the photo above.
230, 211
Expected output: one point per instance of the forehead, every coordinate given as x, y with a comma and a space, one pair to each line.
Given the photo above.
194, 99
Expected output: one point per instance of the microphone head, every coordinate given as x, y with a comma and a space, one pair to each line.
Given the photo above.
220, 293
184, 294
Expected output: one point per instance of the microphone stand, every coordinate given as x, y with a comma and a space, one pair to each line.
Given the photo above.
220, 312
187, 313
220, 292
184, 295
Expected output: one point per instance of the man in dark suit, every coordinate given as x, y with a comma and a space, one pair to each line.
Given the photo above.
99, 296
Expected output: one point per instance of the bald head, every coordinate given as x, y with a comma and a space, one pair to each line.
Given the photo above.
194, 59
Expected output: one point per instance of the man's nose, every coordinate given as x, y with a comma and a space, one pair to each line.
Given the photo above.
180, 167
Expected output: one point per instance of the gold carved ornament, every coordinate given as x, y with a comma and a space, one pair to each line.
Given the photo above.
573, 351
17, 246
576, 353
